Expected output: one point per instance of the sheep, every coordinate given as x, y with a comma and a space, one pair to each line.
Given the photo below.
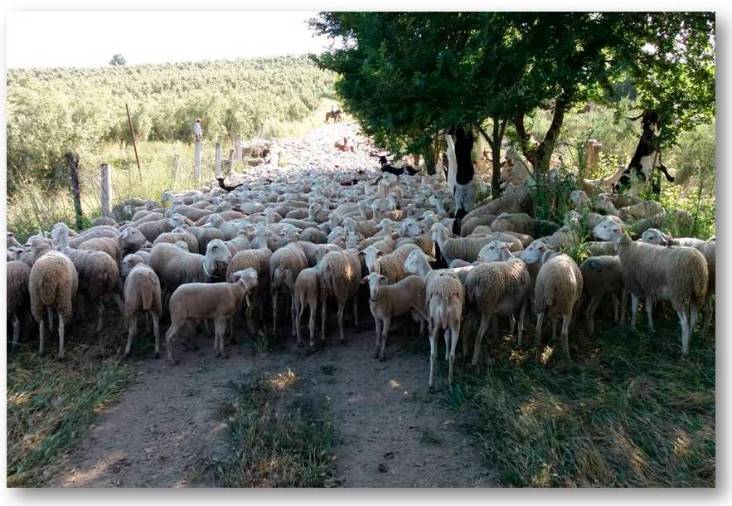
203, 301
602, 275
306, 294
142, 294
707, 248
152, 229
98, 273
52, 284
106, 244
178, 235
513, 222
445, 297
339, 275
77, 239
600, 248
176, 267
205, 235
468, 226
466, 248
18, 274
284, 267
677, 274
609, 229
502, 287
557, 290
389, 300
494, 251
37, 246
391, 265
257, 259
130, 240
103, 220
314, 235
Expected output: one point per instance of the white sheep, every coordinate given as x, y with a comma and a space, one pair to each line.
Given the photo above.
339, 277
204, 301
307, 293
602, 275
176, 267
389, 300
445, 298
142, 294
284, 267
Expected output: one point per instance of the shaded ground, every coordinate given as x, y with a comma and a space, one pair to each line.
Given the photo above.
389, 431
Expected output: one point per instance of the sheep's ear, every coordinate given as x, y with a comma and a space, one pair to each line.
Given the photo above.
379, 253
430, 258
365, 280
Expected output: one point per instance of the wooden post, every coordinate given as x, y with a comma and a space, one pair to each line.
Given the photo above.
174, 167
105, 173
197, 159
134, 143
217, 160
72, 160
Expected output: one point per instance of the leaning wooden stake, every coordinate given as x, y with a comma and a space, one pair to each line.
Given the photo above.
105, 174
134, 143
72, 159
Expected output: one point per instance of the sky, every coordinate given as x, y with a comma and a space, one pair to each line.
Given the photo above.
89, 39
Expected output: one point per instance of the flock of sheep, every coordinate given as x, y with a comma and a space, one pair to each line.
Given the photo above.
312, 237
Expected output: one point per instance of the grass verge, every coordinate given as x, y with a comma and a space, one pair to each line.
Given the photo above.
52, 404
277, 441
630, 412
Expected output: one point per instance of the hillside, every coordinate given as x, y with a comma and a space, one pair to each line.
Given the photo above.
52, 111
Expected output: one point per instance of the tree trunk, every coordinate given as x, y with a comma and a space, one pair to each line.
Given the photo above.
428, 156
540, 155
464, 192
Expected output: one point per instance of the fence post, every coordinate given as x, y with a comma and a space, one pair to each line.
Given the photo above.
174, 167
237, 148
105, 173
217, 160
72, 160
197, 158
592, 150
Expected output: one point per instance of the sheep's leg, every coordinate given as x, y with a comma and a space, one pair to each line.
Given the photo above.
522, 317
433, 355
60, 337
172, 331
100, 313
537, 338
616, 308
566, 319
132, 330
118, 300
634, 300
311, 323
684, 320
511, 324
219, 330
708, 313
341, 310
295, 322
485, 320
16, 331
384, 337
156, 331
41, 335
694, 318
649, 313
554, 329
322, 320
274, 313
454, 337
623, 306
591, 308
355, 311
377, 325
300, 309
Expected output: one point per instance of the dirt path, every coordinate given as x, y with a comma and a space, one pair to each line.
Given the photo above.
390, 431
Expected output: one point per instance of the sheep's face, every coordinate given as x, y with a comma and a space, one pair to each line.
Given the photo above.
411, 228
655, 236
494, 251
375, 281
534, 252
578, 198
371, 254
351, 240
608, 230
128, 262
132, 239
218, 252
176, 220
246, 277
415, 262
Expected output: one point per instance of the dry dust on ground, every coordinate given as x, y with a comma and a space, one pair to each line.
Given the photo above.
389, 431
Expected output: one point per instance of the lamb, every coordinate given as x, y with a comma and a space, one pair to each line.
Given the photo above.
18, 274
142, 294
339, 277
98, 273
502, 287
176, 267
391, 265
130, 240
602, 275
284, 267
466, 248
52, 284
257, 259
445, 297
389, 300
707, 248
178, 235
557, 290
203, 301
306, 294
677, 274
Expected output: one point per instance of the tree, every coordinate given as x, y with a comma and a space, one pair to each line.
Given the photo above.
117, 59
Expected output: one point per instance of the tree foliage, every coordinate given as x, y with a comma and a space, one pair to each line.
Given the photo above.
117, 59
53, 111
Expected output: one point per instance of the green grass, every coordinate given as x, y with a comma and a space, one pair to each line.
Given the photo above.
630, 412
52, 403
277, 442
